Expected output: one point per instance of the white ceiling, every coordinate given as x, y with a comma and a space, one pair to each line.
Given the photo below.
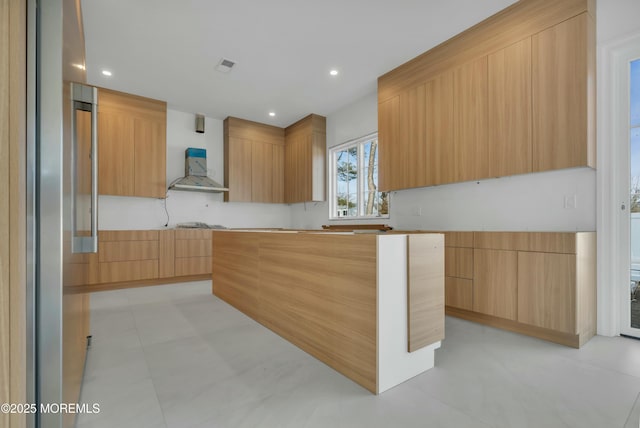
284, 49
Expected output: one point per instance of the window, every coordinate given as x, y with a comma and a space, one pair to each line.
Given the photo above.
353, 168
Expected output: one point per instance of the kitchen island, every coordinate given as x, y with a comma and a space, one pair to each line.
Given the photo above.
369, 305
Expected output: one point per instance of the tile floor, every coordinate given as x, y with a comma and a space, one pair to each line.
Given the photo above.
176, 356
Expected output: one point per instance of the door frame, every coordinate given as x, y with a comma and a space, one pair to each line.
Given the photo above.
614, 251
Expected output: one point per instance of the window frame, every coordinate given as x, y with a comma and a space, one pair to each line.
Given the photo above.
333, 182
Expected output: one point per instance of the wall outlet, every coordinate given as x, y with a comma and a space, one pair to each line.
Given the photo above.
570, 202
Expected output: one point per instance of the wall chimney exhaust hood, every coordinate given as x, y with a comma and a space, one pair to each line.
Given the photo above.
195, 171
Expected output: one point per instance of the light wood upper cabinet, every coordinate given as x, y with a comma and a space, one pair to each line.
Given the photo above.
514, 94
470, 115
439, 138
563, 119
305, 160
132, 145
253, 159
509, 110
388, 135
237, 169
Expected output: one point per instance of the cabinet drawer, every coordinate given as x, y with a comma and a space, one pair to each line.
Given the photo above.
122, 251
193, 234
193, 266
127, 235
517, 241
458, 239
193, 247
458, 293
128, 271
458, 262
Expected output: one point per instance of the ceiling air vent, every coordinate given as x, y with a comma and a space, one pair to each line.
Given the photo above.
225, 65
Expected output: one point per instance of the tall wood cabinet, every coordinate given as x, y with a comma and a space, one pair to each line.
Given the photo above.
253, 161
269, 164
305, 153
512, 95
132, 145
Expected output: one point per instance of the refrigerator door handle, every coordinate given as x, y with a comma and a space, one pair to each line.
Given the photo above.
84, 207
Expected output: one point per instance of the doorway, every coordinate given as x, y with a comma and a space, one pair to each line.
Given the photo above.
630, 323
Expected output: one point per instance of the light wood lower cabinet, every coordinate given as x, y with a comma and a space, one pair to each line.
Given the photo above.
495, 282
538, 283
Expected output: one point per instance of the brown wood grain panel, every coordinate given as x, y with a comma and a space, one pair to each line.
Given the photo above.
127, 251
107, 286
261, 172
297, 184
458, 262
238, 170
13, 122
167, 250
552, 242
115, 157
150, 151
509, 110
75, 329
388, 135
495, 276
458, 293
193, 247
517, 241
425, 289
458, 239
128, 235
128, 271
547, 290
234, 274
318, 291
254, 131
586, 285
439, 128
470, 102
412, 144
277, 174
318, 163
192, 265
505, 28
132, 105
560, 95
193, 234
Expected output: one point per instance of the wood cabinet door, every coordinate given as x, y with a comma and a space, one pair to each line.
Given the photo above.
277, 174
297, 185
509, 111
547, 290
439, 123
388, 134
239, 170
458, 293
150, 162
560, 95
458, 262
115, 153
410, 146
470, 109
495, 282
261, 174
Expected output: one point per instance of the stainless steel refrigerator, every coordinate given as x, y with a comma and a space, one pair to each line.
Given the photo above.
63, 199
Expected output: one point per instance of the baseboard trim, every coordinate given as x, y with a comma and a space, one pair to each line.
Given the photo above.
92, 288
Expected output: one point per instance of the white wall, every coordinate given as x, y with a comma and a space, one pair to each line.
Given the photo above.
533, 202
148, 213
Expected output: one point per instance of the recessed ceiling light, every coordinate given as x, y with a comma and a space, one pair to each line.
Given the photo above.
333, 72
106, 73
272, 113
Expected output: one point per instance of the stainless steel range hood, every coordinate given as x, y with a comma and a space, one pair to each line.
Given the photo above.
195, 170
